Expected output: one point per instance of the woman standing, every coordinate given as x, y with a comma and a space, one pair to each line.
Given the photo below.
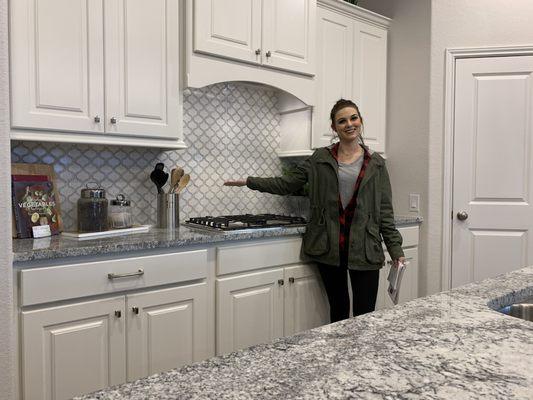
350, 211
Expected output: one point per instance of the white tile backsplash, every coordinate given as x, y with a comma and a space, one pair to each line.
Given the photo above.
232, 131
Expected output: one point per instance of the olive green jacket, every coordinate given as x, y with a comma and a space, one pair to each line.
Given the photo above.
373, 219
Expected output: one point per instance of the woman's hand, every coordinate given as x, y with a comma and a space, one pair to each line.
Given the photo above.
239, 182
398, 261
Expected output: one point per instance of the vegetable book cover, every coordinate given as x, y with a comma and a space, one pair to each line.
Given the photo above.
34, 204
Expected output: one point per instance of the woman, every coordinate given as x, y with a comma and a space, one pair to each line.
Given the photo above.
350, 211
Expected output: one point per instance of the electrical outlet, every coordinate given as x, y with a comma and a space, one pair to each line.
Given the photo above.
414, 202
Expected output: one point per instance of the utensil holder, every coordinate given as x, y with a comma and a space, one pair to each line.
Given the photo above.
168, 210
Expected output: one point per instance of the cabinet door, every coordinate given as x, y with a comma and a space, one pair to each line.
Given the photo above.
249, 310
334, 70
228, 28
56, 72
409, 284
370, 81
142, 68
166, 329
288, 37
73, 349
306, 303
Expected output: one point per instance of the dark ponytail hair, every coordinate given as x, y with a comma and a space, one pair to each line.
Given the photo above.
339, 105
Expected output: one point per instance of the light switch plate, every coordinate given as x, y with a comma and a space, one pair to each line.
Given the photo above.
414, 202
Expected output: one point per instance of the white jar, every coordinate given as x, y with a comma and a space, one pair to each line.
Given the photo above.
120, 213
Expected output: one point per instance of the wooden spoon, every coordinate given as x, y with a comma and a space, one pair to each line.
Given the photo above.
182, 183
175, 176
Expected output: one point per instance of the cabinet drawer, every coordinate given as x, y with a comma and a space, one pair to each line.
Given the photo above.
41, 285
409, 235
231, 259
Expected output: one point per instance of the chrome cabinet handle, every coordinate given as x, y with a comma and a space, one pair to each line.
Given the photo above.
462, 215
257, 52
291, 280
268, 53
118, 313
135, 310
281, 282
112, 275
97, 119
113, 120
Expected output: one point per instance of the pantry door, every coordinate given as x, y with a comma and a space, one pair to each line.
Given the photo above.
493, 167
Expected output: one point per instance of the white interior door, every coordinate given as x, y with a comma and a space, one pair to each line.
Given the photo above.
493, 170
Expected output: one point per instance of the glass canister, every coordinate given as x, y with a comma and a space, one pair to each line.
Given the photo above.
120, 213
92, 210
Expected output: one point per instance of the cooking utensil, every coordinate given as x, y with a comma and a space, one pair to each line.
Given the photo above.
182, 183
159, 176
175, 176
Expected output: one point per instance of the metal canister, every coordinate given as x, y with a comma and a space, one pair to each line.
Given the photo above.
92, 210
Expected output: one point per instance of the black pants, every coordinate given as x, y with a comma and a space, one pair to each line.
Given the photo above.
364, 290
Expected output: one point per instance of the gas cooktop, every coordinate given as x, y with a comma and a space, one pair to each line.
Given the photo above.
245, 221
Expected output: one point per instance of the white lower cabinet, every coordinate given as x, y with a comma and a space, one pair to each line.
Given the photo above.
409, 283
77, 348
306, 304
73, 349
258, 307
166, 329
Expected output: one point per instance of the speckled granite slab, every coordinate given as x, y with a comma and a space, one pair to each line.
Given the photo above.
452, 345
59, 247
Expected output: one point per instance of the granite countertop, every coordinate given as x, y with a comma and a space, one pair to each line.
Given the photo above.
452, 345
56, 247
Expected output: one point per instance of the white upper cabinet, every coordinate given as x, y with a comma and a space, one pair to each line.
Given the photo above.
57, 61
334, 70
96, 72
352, 54
141, 67
289, 34
370, 81
274, 33
228, 28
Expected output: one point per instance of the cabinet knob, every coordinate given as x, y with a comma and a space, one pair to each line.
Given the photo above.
135, 310
291, 280
281, 282
97, 119
268, 53
257, 52
118, 313
113, 120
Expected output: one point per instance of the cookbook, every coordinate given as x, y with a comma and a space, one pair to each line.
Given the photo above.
34, 205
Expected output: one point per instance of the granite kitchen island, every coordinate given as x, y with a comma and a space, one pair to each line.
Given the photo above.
452, 345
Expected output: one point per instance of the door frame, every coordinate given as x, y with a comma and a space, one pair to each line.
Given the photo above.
453, 54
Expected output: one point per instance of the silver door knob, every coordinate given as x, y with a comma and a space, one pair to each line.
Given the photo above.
268, 53
462, 215
257, 52
97, 119
113, 120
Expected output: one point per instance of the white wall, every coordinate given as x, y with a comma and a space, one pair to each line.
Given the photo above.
459, 23
7, 348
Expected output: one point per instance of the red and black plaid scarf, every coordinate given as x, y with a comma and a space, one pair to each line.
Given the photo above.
346, 214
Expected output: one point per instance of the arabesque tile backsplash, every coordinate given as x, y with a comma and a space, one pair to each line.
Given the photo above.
232, 131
